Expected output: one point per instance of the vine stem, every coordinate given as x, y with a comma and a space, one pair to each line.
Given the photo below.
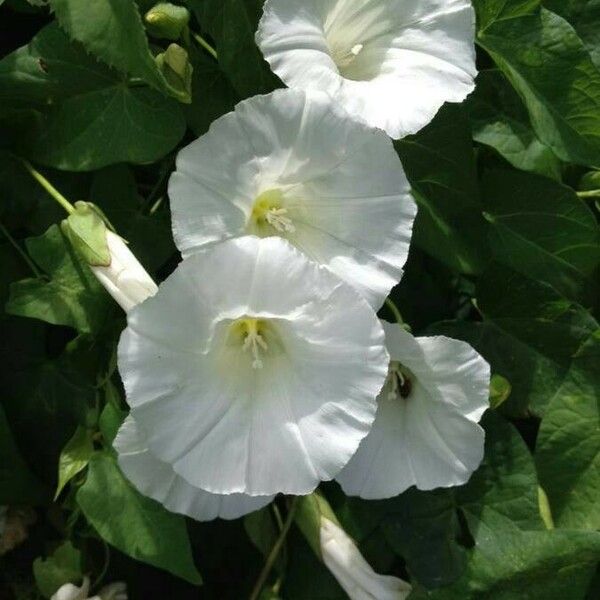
49, 187
202, 42
275, 550
589, 194
392, 306
21, 252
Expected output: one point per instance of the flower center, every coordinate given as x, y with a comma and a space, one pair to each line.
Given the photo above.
251, 333
268, 214
344, 58
400, 380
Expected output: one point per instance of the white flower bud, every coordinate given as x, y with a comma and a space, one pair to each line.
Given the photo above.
125, 279
353, 572
72, 592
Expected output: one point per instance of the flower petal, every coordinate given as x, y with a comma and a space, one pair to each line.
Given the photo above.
158, 481
431, 438
342, 186
390, 63
225, 426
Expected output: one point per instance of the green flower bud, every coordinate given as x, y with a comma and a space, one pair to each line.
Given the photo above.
177, 69
590, 181
167, 21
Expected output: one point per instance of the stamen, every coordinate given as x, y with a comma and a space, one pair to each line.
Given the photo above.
255, 343
344, 58
276, 218
400, 381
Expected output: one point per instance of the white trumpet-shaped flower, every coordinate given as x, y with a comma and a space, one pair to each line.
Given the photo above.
125, 279
426, 432
159, 481
253, 370
352, 571
290, 164
389, 63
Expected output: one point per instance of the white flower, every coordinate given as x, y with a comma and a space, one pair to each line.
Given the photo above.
253, 370
290, 164
113, 591
390, 63
125, 279
157, 480
426, 432
353, 572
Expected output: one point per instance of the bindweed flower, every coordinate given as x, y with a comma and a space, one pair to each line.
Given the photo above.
426, 432
158, 481
289, 164
124, 278
113, 591
352, 571
253, 370
389, 63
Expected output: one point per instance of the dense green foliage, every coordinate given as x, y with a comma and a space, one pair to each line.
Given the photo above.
505, 255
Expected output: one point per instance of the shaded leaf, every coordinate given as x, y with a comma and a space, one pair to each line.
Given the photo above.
136, 525
74, 457
72, 296
440, 166
64, 566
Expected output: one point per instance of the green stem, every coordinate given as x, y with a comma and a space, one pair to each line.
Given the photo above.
105, 566
49, 188
202, 42
21, 252
589, 194
392, 306
264, 574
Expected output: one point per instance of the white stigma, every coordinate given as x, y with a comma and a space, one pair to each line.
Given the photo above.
344, 59
256, 344
276, 218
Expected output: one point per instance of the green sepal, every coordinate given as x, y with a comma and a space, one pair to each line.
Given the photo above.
176, 68
309, 513
86, 230
500, 389
64, 566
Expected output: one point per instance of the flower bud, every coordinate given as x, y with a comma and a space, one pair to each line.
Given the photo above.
124, 278
352, 571
167, 21
177, 70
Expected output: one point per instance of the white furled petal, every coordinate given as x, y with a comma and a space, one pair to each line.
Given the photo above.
353, 572
253, 370
389, 63
426, 432
125, 279
292, 165
157, 480
68, 591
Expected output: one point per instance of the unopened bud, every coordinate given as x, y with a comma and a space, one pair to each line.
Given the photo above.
177, 70
167, 21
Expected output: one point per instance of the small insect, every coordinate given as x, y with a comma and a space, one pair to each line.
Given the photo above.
405, 387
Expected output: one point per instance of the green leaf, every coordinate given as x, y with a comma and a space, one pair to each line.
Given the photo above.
90, 116
176, 68
71, 297
64, 566
423, 528
87, 233
74, 458
499, 120
500, 389
543, 230
232, 24
112, 416
489, 11
506, 482
18, 485
136, 525
440, 166
537, 51
114, 32
568, 443
584, 15
309, 512
262, 531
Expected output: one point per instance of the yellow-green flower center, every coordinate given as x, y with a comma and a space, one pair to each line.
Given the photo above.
251, 334
269, 215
